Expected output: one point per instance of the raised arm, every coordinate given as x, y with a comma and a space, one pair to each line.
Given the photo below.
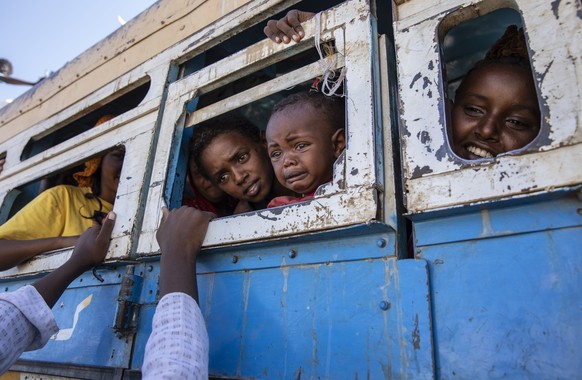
178, 345
180, 236
89, 251
28, 310
14, 252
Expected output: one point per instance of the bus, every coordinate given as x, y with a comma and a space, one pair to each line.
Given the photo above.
412, 263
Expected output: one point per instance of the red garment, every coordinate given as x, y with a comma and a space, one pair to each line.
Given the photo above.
202, 204
287, 200
199, 202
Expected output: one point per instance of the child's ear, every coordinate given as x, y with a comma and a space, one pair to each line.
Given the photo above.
338, 139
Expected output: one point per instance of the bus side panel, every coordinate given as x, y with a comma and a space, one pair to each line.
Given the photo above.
319, 321
85, 314
508, 304
311, 316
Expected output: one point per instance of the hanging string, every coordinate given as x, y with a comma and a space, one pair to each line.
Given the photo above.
330, 80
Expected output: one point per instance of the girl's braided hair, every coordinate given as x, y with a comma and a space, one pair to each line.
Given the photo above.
510, 48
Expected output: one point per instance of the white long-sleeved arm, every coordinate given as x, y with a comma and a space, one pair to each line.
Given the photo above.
26, 324
178, 345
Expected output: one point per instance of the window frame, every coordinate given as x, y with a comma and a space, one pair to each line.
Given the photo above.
350, 199
434, 177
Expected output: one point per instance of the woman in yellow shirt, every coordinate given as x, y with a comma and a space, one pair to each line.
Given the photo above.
56, 217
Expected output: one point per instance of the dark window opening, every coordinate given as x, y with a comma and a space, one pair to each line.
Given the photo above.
493, 106
115, 106
22, 195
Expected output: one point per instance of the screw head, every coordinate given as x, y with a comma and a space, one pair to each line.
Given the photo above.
384, 305
381, 243
292, 253
234, 259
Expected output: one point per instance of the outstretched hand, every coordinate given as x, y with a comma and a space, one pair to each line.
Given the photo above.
182, 230
91, 248
180, 237
288, 28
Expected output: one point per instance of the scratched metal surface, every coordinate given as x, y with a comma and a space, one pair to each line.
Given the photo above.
316, 315
85, 315
435, 178
505, 290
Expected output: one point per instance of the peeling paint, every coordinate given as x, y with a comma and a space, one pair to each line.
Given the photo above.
416, 334
418, 171
414, 79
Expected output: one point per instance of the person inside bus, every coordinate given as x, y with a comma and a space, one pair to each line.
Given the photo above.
305, 136
288, 28
205, 195
26, 319
56, 217
178, 344
231, 153
496, 108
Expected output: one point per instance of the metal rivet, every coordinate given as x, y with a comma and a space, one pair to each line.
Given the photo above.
234, 259
292, 253
381, 243
150, 268
384, 305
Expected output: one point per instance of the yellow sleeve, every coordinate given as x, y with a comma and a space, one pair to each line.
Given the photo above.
45, 216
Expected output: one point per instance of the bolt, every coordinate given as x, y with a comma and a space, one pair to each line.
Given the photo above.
381, 243
234, 259
384, 305
292, 253
150, 268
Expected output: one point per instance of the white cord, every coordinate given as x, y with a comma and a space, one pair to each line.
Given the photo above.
329, 84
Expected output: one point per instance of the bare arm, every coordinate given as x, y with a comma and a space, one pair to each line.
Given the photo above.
288, 28
89, 251
15, 252
180, 236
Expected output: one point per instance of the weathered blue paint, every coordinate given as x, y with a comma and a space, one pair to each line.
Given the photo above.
318, 317
505, 290
93, 342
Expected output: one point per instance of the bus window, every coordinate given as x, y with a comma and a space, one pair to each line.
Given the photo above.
327, 112
256, 113
54, 218
485, 58
88, 175
248, 84
120, 102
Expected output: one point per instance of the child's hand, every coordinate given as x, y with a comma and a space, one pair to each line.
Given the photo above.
288, 28
182, 231
91, 248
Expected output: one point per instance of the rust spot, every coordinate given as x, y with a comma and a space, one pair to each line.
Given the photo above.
416, 335
419, 172
424, 137
425, 83
265, 216
416, 77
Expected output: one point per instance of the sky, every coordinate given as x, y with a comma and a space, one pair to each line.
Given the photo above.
40, 36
